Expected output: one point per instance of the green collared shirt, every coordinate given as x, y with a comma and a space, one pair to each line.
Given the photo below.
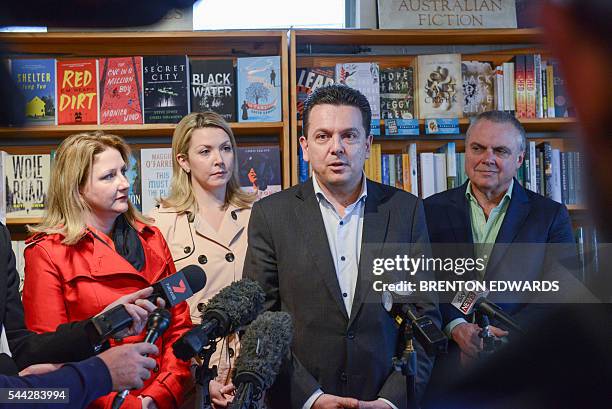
484, 231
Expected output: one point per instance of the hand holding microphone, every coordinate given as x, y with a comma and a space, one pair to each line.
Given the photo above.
128, 314
158, 322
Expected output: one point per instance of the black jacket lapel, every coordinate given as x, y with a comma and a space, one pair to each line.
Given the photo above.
310, 222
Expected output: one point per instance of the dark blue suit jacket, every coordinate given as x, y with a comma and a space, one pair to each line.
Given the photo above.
530, 218
86, 380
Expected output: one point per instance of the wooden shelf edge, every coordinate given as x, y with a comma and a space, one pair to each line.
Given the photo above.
530, 124
415, 36
56, 131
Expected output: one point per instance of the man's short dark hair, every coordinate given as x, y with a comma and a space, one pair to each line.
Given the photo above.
501, 117
338, 95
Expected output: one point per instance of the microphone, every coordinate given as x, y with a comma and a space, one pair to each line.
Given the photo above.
229, 310
157, 323
262, 349
427, 333
173, 290
470, 301
179, 286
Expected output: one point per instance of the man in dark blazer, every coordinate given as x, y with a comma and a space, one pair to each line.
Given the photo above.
311, 249
493, 211
71, 342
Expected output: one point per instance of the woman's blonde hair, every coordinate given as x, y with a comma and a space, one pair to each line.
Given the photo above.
181, 195
70, 171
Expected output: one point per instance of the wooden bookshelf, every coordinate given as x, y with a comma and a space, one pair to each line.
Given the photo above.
201, 44
310, 48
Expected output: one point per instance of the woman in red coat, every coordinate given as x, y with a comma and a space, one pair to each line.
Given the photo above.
94, 246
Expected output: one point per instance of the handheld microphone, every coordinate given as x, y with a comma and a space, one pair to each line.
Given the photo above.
231, 309
469, 301
427, 333
173, 290
263, 346
179, 286
158, 322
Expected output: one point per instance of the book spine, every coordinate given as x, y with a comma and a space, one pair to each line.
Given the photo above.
537, 67
399, 180
550, 90
385, 169
556, 176
564, 178
521, 108
530, 86
544, 91
407, 185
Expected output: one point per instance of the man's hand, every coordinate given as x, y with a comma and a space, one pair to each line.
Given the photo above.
127, 365
466, 336
139, 308
39, 369
327, 401
221, 395
374, 404
498, 332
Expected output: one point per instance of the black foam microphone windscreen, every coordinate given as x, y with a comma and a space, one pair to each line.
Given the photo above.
264, 345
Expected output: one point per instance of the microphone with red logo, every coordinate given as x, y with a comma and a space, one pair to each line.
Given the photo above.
179, 286
470, 301
173, 290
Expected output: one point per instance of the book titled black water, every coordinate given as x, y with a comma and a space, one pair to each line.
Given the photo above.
213, 87
165, 88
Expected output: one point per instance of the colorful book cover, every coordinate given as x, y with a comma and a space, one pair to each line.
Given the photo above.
77, 92
36, 80
133, 176
364, 77
213, 87
120, 90
562, 106
530, 86
259, 89
519, 81
156, 174
27, 185
478, 87
165, 80
308, 80
439, 86
260, 169
397, 93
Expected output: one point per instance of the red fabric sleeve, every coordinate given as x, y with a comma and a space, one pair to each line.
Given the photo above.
43, 300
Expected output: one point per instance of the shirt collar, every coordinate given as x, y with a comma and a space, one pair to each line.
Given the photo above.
320, 195
507, 195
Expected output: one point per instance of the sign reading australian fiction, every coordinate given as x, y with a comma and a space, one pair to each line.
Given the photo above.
446, 14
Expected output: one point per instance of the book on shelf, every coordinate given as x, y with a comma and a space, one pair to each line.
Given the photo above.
213, 87
134, 178
478, 87
156, 174
77, 92
36, 80
308, 80
165, 78
364, 77
26, 179
439, 86
120, 90
397, 93
259, 89
259, 169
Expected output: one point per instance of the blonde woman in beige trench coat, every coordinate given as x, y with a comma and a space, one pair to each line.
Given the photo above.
204, 220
